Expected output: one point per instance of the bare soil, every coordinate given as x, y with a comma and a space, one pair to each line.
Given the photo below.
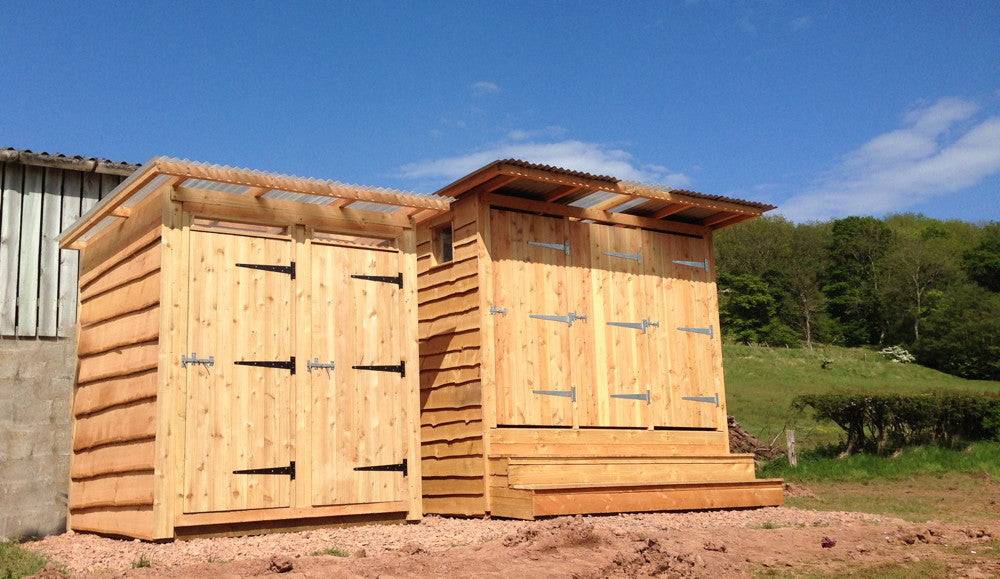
773, 541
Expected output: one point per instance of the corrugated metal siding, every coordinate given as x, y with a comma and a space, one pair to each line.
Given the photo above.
38, 281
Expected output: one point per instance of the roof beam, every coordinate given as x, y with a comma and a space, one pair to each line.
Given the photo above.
732, 220
717, 218
670, 210
563, 191
611, 202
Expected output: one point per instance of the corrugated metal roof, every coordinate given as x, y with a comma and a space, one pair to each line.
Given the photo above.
554, 169
71, 162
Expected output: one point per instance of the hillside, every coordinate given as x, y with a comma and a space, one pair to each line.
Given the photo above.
761, 383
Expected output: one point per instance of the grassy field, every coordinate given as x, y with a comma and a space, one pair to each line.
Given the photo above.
761, 383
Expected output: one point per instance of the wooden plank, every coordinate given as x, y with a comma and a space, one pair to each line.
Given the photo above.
126, 423
146, 217
103, 394
606, 442
131, 328
510, 503
411, 387
668, 498
113, 459
453, 323
434, 417
448, 273
456, 466
10, 239
127, 360
542, 208
449, 305
451, 448
48, 267
467, 506
453, 486
69, 262
265, 515
448, 342
136, 295
128, 268
134, 522
119, 490
452, 431
31, 237
569, 471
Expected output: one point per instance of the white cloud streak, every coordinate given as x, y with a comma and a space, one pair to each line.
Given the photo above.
940, 149
569, 154
485, 87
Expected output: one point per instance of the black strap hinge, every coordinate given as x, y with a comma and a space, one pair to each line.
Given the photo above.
394, 279
285, 269
398, 467
401, 368
283, 364
288, 471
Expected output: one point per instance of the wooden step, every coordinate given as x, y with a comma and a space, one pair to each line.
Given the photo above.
531, 501
625, 471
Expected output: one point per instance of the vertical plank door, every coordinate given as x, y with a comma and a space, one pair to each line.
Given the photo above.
357, 414
620, 353
677, 288
533, 374
238, 417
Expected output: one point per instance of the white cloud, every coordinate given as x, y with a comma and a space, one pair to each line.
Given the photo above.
569, 154
523, 135
940, 149
485, 87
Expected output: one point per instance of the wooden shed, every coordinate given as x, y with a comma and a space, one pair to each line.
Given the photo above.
247, 354
570, 352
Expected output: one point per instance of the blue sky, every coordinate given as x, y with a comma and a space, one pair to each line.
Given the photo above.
825, 109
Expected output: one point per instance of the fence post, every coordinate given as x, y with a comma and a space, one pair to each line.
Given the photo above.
793, 457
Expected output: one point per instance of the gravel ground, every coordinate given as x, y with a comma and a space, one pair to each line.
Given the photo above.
81, 552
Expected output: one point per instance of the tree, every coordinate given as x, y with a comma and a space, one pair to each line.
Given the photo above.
857, 249
982, 263
961, 334
806, 262
747, 312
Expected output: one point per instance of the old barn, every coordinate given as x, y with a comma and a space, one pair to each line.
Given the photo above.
570, 352
247, 354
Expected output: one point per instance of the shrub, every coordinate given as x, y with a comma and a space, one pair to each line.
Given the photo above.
898, 354
880, 421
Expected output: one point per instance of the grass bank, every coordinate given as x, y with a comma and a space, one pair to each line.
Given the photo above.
16, 561
761, 383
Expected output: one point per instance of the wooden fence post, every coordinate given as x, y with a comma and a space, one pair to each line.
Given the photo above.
793, 457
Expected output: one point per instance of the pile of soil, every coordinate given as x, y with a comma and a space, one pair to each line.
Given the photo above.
742, 442
704, 544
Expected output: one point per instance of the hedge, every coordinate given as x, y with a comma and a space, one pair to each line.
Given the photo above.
875, 422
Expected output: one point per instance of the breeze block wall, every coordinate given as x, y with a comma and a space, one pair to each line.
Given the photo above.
36, 384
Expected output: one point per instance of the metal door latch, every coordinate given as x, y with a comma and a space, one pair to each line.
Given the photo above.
315, 364
563, 247
494, 310
194, 360
699, 264
641, 326
643, 396
623, 255
706, 399
707, 331
568, 319
571, 393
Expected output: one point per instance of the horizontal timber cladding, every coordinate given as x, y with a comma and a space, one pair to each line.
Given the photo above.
38, 281
452, 443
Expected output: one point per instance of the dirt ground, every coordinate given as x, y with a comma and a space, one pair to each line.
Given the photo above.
773, 541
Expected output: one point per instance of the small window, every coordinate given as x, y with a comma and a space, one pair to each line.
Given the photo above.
443, 250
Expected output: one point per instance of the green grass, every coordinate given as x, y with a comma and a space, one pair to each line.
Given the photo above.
761, 383
141, 563
902, 570
16, 561
819, 465
332, 551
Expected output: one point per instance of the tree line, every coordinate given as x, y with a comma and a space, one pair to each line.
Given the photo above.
929, 285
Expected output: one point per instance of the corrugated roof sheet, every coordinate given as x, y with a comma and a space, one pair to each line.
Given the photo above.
72, 162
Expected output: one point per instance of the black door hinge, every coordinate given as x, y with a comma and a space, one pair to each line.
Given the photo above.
285, 269
288, 471
284, 365
398, 467
401, 368
394, 279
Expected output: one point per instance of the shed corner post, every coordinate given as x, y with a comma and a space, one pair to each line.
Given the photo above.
302, 331
487, 356
168, 481
713, 293
411, 352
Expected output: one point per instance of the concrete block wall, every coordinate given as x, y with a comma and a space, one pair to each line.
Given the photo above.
36, 385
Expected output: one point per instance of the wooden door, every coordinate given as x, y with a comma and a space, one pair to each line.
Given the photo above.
533, 376
686, 387
238, 417
621, 330
357, 414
